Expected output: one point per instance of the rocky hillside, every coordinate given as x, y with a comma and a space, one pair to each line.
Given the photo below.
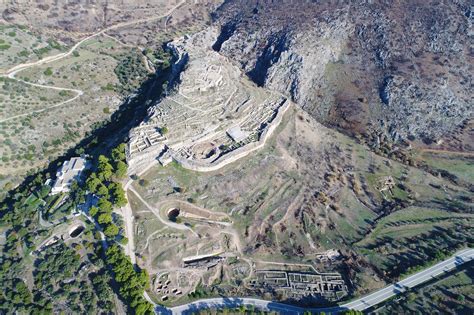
392, 70
70, 21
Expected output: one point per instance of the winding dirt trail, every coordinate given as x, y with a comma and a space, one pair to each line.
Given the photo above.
10, 73
156, 212
78, 93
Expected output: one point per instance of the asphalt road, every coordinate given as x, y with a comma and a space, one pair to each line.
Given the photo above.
363, 303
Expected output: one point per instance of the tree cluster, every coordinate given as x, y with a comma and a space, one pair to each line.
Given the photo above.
57, 277
102, 183
56, 271
132, 283
101, 283
130, 71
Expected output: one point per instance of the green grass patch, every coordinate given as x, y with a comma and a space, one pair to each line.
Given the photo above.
462, 167
48, 71
182, 175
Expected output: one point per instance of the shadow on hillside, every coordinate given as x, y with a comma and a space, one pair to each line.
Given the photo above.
115, 130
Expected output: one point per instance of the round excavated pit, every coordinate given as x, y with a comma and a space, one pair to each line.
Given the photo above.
205, 150
173, 214
76, 231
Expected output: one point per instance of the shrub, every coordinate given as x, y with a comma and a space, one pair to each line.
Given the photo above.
48, 72
108, 87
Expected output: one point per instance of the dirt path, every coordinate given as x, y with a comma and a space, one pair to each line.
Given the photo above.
128, 218
129, 232
151, 235
77, 92
156, 212
59, 56
291, 208
227, 226
10, 73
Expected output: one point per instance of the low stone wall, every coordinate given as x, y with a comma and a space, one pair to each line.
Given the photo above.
144, 158
238, 153
151, 154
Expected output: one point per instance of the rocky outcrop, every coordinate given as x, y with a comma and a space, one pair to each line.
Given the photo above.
401, 69
212, 114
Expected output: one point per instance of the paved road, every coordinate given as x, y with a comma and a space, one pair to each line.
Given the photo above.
359, 304
412, 281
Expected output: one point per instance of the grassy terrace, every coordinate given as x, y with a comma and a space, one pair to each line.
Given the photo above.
462, 167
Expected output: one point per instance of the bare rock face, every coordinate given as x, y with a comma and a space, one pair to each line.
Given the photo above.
400, 69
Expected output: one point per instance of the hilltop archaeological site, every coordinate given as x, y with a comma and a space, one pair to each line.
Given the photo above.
180, 156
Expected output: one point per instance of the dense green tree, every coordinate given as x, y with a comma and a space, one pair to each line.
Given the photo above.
103, 191
121, 169
111, 230
104, 169
93, 211
92, 183
118, 153
101, 285
48, 71
132, 283
105, 205
104, 218
118, 195
56, 264
24, 293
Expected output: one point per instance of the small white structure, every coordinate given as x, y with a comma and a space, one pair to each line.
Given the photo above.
329, 255
70, 171
236, 133
165, 157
